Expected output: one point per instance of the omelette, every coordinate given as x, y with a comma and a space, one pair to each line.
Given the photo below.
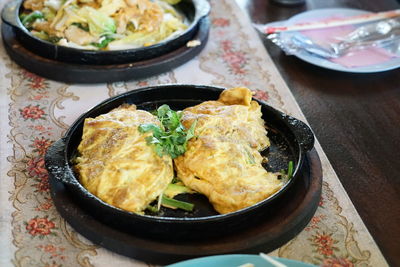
224, 161
116, 164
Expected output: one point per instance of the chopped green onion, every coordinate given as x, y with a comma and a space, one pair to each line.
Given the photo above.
105, 40
170, 202
290, 170
54, 39
29, 19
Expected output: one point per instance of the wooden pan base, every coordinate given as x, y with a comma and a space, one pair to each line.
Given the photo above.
291, 214
81, 73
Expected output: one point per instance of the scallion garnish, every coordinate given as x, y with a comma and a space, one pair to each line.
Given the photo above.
104, 41
174, 203
29, 19
290, 170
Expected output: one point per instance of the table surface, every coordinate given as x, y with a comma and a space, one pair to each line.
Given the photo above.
356, 119
36, 111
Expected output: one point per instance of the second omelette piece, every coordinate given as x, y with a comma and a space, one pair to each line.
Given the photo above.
224, 162
117, 165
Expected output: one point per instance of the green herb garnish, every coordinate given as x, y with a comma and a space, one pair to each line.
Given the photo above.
171, 137
30, 18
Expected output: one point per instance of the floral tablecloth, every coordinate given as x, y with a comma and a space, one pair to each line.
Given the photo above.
36, 112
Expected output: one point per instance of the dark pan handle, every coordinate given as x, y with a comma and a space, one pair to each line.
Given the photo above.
56, 164
302, 131
10, 12
202, 8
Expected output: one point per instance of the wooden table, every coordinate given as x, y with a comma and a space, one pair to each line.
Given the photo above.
356, 118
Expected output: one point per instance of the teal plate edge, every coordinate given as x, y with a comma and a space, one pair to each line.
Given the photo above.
235, 260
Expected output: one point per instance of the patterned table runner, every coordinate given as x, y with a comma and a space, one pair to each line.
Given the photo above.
36, 112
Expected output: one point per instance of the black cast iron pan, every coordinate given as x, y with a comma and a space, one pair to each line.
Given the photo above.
194, 11
290, 141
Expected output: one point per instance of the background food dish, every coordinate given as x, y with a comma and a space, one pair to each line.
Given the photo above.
102, 25
85, 73
325, 63
194, 10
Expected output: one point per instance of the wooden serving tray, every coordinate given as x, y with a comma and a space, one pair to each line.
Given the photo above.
292, 212
84, 73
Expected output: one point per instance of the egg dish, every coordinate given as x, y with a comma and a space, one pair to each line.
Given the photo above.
224, 162
121, 160
115, 162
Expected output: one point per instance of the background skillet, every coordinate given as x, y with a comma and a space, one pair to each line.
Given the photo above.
290, 139
194, 10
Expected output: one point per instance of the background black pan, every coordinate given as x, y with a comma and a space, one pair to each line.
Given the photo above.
84, 73
291, 139
194, 10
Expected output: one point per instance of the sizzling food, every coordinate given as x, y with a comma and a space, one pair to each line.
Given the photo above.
117, 165
224, 162
125, 155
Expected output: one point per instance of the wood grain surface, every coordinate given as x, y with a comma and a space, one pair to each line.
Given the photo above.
356, 118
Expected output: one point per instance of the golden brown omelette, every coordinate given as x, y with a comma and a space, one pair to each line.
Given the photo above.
117, 165
224, 162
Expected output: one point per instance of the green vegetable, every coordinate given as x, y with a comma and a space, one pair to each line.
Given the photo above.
30, 18
54, 39
81, 26
289, 174
22, 16
99, 23
171, 137
176, 189
105, 40
290, 170
170, 202
44, 36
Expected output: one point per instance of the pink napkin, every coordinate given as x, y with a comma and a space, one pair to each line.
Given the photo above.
356, 58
